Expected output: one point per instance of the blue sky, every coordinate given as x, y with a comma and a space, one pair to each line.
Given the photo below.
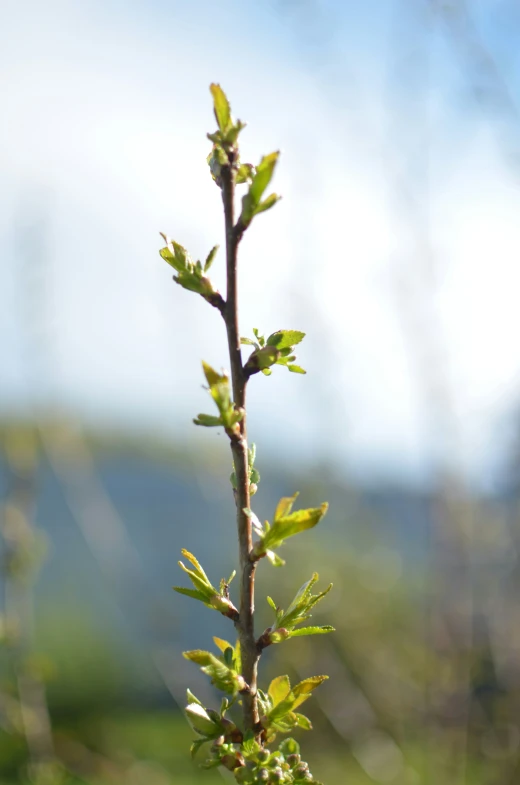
389, 169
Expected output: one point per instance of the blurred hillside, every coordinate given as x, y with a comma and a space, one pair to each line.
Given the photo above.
424, 668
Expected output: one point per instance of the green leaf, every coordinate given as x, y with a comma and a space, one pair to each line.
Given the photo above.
285, 339
285, 506
272, 603
201, 584
221, 107
212, 377
194, 561
221, 675
296, 369
262, 178
275, 560
245, 173
190, 697
197, 595
303, 690
221, 644
248, 342
311, 631
259, 338
200, 720
210, 257
303, 721
288, 526
271, 200
207, 420
279, 688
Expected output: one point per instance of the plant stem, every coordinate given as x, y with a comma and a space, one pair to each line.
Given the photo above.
245, 624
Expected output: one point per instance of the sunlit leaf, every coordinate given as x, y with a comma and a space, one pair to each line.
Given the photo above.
262, 178
197, 595
271, 200
303, 690
279, 689
311, 631
221, 644
285, 339
221, 107
285, 506
210, 257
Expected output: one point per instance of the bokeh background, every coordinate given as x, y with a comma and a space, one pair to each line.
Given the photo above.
395, 248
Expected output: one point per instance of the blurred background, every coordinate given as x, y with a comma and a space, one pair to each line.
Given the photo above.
395, 248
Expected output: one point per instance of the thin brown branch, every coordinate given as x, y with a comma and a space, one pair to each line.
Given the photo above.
245, 625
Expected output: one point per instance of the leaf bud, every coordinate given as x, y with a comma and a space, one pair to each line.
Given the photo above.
263, 755
276, 775
293, 759
262, 775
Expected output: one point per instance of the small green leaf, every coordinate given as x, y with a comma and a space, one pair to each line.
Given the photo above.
272, 603
248, 342
311, 631
285, 506
221, 107
285, 339
197, 595
279, 688
212, 377
262, 178
207, 420
271, 200
303, 690
296, 369
245, 173
259, 338
303, 721
190, 697
275, 560
200, 720
221, 644
289, 525
194, 561
210, 257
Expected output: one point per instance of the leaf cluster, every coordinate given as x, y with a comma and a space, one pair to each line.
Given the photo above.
191, 275
277, 349
298, 612
223, 670
204, 591
277, 706
220, 390
285, 524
